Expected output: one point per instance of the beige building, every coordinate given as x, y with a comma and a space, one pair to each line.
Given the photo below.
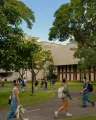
11, 75
45, 46
63, 59
67, 65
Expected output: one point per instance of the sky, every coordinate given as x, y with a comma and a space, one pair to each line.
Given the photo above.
44, 16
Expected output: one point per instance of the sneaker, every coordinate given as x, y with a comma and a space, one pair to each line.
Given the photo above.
56, 113
68, 115
26, 118
93, 104
83, 106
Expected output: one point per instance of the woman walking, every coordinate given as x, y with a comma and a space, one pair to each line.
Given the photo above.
14, 102
64, 99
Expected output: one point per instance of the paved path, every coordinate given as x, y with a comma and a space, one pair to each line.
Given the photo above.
45, 110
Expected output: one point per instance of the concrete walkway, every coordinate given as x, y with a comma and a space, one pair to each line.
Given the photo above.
45, 110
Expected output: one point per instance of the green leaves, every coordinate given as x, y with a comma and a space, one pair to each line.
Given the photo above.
41, 60
12, 12
60, 24
77, 21
19, 11
87, 58
15, 52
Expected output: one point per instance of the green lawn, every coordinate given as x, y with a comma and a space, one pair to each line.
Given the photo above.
25, 97
93, 117
91, 97
72, 85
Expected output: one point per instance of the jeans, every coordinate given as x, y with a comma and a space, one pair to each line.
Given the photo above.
85, 98
13, 108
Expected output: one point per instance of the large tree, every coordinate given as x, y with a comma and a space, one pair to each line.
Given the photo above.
77, 21
12, 13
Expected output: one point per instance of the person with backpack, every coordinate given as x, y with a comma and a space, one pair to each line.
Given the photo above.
85, 92
22, 84
63, 94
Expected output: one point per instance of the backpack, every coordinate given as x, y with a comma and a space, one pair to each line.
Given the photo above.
61, 93
90, 87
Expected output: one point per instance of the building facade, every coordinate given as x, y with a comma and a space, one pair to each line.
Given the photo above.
11, 75
64, 61
67, 64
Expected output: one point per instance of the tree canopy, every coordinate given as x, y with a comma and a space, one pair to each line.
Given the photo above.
12, 13
42, 60
76, 21
17, 53
12, 44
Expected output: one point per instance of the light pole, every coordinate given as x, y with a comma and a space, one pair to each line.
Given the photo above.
50, 72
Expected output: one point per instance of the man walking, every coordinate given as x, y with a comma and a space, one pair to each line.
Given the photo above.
85, 93
46, 81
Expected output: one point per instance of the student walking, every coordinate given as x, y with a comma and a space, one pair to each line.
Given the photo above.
85, 93
22, 84
15, 102
46, 81
42, 83
36, 83
64, 99
25, 81
53, 83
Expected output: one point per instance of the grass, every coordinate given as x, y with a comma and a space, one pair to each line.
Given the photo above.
72, 85
93, 117
91, 97
25, 97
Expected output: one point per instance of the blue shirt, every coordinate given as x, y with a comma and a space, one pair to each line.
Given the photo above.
85, 85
